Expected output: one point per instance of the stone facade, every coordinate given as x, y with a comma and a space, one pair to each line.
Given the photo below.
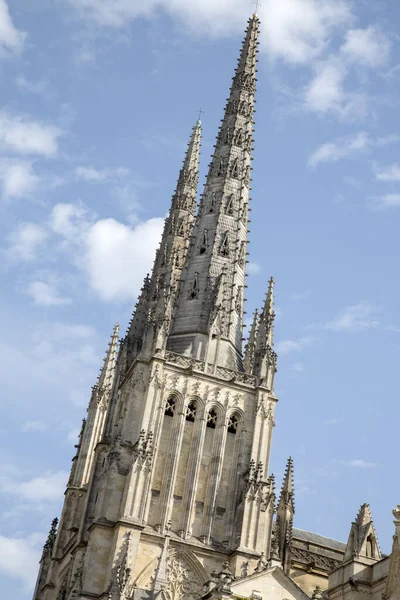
170, 494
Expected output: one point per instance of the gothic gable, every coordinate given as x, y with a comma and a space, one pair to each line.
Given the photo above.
271, 583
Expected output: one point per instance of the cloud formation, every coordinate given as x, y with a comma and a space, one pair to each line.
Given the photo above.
354, 319
46, 294
11, 39
18, 179
26, 241
22, 135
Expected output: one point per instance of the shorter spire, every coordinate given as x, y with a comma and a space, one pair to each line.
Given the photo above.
284, 517
249, 352
51, 538
106, 375
363, 541
287, 491
264, 356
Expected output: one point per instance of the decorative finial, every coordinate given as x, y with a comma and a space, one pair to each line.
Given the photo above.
257, 3
201, 112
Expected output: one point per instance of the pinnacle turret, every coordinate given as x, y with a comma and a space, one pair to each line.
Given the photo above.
106, 376
151, 321
250, 349
264, 356
220, 235
284, 516
286, 498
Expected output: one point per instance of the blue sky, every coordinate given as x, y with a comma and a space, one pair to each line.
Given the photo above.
97, 101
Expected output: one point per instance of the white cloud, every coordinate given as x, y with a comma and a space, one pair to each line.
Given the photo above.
390, 173
298, 367
117, 256
294, 30
45, 294
11, 39
325, 92
356, 318
299, 30
286, 347
386, 202
19, 559
70, 221
253, 268
20, 134
92, 175
40, 87
26, 241
343, 147
359, 463
34, 426
18, 178
48, 487
368, 47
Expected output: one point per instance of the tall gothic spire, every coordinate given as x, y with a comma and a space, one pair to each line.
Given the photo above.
209, 313
151, 321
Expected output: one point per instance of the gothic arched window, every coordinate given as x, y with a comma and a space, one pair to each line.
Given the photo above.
213, 202
170, 407
204, 245
195, 287
238, 138
221, 166
235, 169
181, 229
229, 205
212, 419
191, 412
224, 250
233, 422
370, 546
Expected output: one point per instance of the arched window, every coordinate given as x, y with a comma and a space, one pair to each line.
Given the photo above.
191, 412
213, 202
233, 422
181, 229
204, 245
238, 138
195, 287
370, 546
221, 167
170, 406
212, 419
229, 205
224, 250
235, 169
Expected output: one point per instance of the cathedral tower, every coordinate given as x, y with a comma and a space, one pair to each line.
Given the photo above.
171, 479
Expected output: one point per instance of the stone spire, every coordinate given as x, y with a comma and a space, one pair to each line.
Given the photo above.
214, 275
284, 516
249, 353
106, 376
93, 426
151, 321
363, 541
264, 356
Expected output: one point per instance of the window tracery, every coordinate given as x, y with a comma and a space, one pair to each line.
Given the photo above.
191, 412
212, 419
170, 407
233, 422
